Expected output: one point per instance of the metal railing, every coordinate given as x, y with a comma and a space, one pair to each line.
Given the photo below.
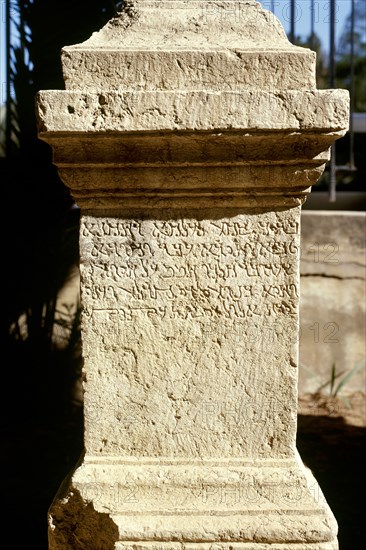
332, 5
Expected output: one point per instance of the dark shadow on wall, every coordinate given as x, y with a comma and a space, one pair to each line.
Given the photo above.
336, 454
41, 419
36, 456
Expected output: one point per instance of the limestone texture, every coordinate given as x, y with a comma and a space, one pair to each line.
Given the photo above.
332, 315
190, 134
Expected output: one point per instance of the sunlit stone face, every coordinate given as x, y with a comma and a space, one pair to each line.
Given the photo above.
190, 333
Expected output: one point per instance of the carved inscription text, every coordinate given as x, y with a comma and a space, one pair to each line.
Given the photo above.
234, 268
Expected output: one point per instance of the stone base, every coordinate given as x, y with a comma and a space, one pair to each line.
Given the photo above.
158, 504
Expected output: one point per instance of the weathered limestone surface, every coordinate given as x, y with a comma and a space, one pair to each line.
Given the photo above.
190, 134
332, 308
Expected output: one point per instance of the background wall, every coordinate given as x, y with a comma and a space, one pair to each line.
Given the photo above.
333, 299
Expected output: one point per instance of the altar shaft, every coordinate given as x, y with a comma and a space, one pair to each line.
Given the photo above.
190, 333
190, 153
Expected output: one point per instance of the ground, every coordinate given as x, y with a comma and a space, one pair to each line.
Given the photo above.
38, 452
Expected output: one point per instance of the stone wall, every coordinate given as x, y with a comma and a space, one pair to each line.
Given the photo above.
332, 304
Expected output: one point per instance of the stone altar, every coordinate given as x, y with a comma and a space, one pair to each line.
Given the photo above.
190, 134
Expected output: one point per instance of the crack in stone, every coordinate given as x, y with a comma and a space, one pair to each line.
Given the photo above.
326, 276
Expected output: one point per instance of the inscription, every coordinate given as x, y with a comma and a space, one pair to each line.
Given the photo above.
111, 228
178, 228
143, 268
236, 268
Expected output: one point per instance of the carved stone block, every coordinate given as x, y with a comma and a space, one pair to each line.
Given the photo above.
190, 134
